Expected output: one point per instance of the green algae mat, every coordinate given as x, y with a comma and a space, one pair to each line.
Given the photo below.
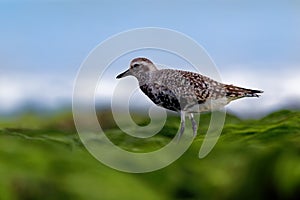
41, 157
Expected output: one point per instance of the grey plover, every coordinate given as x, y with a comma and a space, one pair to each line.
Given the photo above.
183, 91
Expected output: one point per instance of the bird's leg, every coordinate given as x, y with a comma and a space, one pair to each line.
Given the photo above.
182, 124
194, 124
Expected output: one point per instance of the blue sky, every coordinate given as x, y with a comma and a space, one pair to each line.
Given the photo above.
51, 38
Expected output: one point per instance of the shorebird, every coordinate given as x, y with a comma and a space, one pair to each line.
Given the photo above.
183, 91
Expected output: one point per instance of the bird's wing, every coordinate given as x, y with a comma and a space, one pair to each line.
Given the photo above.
204, 87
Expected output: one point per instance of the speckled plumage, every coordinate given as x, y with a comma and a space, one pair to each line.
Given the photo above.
183, 91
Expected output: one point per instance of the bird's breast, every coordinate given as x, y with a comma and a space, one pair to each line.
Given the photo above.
161, 96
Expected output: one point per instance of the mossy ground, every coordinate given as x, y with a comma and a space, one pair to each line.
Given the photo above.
41, 157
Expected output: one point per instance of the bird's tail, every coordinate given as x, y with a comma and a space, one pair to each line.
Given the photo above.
234, 92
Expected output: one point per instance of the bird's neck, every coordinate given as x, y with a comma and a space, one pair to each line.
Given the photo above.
144, 78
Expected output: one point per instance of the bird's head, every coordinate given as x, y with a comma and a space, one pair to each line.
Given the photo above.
138, 67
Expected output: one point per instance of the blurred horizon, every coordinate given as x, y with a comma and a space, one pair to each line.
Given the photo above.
253, 44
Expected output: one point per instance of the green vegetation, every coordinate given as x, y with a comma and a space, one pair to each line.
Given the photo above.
41, 157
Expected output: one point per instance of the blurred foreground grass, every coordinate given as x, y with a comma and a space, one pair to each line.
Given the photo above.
41, 157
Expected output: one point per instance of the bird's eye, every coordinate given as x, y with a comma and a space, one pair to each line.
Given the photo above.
135, 65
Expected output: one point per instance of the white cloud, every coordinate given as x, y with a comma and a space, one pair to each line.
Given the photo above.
43, 89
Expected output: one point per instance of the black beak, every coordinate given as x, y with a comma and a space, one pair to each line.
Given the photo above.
122, 74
